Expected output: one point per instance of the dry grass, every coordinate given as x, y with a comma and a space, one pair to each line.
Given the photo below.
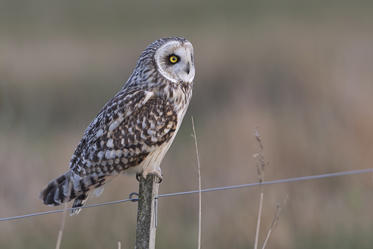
276, 218
199, 186
62, 226
260, 165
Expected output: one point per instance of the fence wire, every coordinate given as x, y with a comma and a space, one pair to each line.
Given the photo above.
230, 187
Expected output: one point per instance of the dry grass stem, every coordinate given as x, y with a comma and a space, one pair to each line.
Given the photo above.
260, 164
258, 220
62, 227
275, 220
199, 186
119, 245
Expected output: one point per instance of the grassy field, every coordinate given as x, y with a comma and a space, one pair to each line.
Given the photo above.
299, 71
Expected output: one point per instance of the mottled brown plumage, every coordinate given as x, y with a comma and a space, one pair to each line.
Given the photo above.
134, 130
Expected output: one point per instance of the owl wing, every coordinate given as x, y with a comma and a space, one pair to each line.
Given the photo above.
130, 126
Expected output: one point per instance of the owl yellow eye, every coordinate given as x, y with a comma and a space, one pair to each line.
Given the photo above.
173, 58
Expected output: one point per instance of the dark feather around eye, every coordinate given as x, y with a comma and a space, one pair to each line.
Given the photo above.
169, 59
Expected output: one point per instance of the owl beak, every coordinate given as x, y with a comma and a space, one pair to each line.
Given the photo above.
187, 68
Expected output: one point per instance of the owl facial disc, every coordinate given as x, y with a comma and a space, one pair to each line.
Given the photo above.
175, 61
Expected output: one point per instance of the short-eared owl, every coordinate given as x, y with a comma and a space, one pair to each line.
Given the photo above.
134, 130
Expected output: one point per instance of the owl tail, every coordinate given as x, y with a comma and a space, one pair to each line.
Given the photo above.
67, 187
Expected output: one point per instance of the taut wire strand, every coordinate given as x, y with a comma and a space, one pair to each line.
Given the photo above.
132, 199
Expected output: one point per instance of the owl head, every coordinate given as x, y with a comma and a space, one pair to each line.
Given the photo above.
169, 58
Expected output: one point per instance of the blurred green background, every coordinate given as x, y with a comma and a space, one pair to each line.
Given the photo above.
300, 71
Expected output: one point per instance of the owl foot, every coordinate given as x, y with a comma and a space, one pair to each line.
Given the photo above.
158, 176
138, 176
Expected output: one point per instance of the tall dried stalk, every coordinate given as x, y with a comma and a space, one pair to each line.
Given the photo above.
62, 227
199, 186
275, 220
259, 219
260, 164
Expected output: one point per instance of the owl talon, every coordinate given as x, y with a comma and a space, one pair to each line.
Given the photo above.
138, 176
159, 178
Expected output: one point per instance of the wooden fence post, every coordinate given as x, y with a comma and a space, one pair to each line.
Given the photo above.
146, 213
